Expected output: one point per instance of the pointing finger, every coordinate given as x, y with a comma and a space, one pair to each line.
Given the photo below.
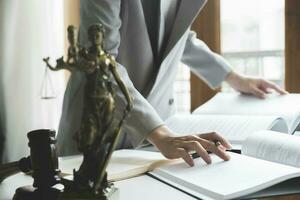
185, 156
196, 146
276, 88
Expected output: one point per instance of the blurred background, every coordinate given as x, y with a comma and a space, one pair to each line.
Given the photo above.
30, 96
252, 39
257, 37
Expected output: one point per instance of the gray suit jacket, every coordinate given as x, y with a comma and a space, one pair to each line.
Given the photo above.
128, 39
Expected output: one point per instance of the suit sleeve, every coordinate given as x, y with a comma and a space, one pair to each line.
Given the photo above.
143, 117
209, 66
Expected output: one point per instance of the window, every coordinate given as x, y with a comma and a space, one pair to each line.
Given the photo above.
252, 37
252, 41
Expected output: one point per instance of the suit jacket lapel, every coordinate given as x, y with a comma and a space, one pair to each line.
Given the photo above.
152, 22
187, 11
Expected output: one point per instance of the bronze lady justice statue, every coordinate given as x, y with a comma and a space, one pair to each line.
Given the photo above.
99, 130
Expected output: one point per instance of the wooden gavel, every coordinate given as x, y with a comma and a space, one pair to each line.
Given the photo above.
42, 162
9, 169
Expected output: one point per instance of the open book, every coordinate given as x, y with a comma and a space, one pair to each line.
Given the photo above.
268, 159
237, 116
124, 164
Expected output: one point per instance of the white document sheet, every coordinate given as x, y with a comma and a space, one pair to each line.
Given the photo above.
237, 177
285, 106
233, 127
273, 146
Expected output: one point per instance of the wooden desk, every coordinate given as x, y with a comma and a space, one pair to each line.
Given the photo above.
292, 197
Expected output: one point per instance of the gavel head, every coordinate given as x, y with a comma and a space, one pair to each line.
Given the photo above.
44, 158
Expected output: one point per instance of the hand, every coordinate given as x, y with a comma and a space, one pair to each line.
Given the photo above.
180, 146
255, 86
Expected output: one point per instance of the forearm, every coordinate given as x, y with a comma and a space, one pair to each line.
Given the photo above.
142, 118
209, 66
158, 134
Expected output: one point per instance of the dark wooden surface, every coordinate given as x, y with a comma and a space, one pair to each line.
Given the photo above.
292, 45
207, 26
291, 197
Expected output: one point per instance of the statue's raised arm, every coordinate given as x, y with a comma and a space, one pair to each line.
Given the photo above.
77, 58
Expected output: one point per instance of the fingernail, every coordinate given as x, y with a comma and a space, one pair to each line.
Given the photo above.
208, 160
191, 164
228, 157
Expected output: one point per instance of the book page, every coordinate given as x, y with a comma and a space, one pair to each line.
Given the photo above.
68, 163
233, 127
124, 164
285, 106
273, 146
237, 177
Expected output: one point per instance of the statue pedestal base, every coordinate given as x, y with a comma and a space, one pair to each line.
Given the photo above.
31, 193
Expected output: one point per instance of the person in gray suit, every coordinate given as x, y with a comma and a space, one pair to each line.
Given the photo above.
149, 39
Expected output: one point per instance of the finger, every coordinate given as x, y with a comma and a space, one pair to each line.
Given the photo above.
196, 146
215, 136
275, 87
266, 90
185, 156
258, 93
217, 150
209, 145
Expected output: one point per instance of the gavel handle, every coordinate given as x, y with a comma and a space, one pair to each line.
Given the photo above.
9, 169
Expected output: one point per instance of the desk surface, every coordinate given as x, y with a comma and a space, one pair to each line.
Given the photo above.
133, 189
